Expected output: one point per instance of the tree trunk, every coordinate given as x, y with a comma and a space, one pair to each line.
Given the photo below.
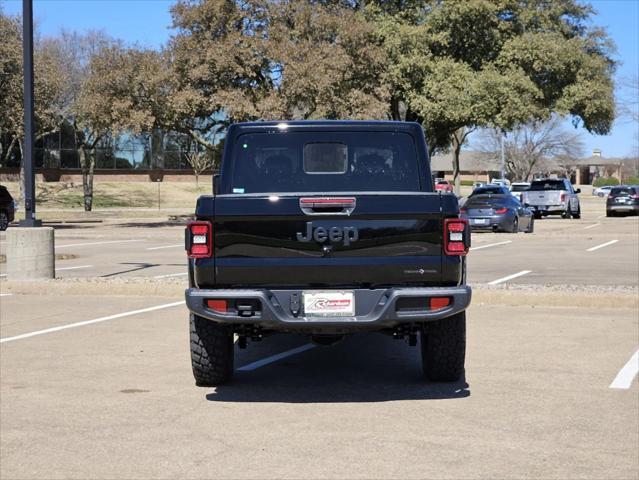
457, 140
87, 165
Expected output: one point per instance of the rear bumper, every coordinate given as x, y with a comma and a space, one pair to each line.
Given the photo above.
623, 208
375, 309
548, 208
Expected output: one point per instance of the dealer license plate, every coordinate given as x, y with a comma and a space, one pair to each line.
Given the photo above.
329, 304
478, 221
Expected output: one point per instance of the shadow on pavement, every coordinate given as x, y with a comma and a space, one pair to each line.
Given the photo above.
364, 368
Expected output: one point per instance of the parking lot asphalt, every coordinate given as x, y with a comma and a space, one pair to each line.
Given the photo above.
101, 387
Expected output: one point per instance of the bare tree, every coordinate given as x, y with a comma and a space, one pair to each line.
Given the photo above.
537, 147
199, 162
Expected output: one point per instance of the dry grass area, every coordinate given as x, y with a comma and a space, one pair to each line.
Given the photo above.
66, 195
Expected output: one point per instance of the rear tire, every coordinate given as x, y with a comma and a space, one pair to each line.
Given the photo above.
537, 215
566, 214
4, 221
515, 226
531, 226
609, 213
443, 345
212, 355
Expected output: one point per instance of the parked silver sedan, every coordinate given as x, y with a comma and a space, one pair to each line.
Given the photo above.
498, 213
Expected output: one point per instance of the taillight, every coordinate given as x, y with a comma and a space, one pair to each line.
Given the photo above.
634, 197
501, 211
456, 236
563, 197
199, 239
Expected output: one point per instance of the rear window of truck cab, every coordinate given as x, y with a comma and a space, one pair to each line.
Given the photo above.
547, 185
325, 162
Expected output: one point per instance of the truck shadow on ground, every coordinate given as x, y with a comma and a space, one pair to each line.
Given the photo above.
363, 368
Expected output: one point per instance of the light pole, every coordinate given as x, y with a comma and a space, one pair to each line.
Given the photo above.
30, 247
27, 158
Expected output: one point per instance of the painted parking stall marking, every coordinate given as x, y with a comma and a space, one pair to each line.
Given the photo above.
61, 268
166, 246
627, 374
592, 226
510, 277
274, 358
479, 247
90, 322
611, 242
96, 243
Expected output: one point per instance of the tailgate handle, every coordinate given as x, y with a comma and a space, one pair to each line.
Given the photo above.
327, 205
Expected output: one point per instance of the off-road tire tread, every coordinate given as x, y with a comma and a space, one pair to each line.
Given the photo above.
443, 346
4, 220
212, 355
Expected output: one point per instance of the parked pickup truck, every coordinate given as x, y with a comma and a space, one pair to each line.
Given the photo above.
325, 229
552, 197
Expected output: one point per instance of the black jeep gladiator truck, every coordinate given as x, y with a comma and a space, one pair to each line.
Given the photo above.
326, 228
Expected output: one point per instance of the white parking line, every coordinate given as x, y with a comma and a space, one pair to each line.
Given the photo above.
73, 268
63, 268
275, 358
90, 322
5, 294
172, 275
491, 245
592, 226
509, 277
96, 243
611, 242
627, 374
166, 246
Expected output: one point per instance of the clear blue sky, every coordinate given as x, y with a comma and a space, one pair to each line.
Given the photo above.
147, 22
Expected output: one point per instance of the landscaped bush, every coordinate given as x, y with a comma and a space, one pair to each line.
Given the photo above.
601, 182
632, 180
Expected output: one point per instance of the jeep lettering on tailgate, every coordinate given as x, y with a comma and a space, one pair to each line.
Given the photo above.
346, 235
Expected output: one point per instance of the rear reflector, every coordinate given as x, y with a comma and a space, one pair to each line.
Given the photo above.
439, 302
456, 236
199, 239
217, 305
501, 211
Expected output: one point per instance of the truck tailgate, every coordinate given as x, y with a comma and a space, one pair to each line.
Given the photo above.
387, 239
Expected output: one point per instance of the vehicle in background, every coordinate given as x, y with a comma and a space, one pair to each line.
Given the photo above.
443, 186
490, 189
478, 184
553, 197
498, 213
602, 191
504, 182
7, 208
623, 200
517, 187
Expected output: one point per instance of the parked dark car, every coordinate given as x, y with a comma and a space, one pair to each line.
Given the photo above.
498, 213
7, 208
623, 200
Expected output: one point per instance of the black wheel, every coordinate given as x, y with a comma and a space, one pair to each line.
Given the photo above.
4, 221
212, 355
566, 214
609, 213
537, 215
443, 345
531, 225
577, 214
515, 226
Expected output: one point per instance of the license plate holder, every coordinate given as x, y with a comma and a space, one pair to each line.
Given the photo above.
478, 221
328, 303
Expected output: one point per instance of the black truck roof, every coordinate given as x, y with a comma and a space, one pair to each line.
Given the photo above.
300, 125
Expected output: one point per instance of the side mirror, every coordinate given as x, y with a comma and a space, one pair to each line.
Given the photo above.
578, 190
216, 183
